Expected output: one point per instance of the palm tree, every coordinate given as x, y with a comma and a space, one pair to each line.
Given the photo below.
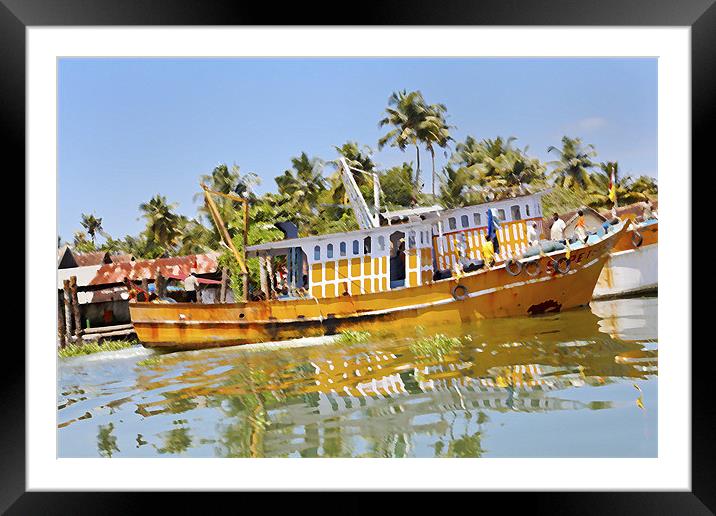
496, 168
92, 224
405, 113
433, 131
163, 225
572, 169
304, 182
628, 189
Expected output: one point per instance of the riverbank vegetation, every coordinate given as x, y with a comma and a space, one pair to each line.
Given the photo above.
74, 350
310, 192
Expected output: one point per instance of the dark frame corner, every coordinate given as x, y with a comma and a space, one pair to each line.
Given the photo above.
700, 15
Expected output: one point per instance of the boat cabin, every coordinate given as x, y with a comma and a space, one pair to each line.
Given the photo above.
405, 252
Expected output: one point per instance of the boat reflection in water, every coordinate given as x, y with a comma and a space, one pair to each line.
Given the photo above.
578, 383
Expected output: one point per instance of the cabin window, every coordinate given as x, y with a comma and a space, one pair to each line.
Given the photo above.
452, 224
317, 253
356, 247
342, 248
464, 221
329, 251
501, 214
516, 215
381, 243
422, 237
366, 245
411, 240
527, 210
477, 218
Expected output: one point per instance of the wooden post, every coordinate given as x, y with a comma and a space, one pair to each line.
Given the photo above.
262, 275
271, 279
61, 320
224, 282
161, 286
75, 308
245, 278
67, 302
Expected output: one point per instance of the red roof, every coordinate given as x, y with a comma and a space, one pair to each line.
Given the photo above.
180, 266
85, 259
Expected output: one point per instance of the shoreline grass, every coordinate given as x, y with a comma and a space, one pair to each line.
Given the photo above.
353, 337
89, 348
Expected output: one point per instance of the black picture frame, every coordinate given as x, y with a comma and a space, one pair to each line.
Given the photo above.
700, 15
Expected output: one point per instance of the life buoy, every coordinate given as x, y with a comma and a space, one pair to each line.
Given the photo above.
563, 265
460, 292
636, 239
513, 267
535, 268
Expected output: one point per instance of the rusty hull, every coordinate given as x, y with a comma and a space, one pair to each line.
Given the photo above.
492, 293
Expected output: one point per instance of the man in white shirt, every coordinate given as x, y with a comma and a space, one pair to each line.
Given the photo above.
190, 284
557, 231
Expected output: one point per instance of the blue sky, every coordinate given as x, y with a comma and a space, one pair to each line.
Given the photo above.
131, 128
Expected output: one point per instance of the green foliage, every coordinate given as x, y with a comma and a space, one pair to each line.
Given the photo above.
435, 347
561, 200
573, 168
353, 337
92, 224
398, 186
81, 244
73, 350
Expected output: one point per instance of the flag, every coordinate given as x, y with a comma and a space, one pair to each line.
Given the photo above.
612, 187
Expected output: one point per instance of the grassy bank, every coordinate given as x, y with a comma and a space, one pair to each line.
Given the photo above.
74, 350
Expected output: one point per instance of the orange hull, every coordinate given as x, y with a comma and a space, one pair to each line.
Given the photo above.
484, 294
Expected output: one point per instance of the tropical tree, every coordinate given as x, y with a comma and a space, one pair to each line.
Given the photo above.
454, 188
434, 131
628, 189
163, 225
81, 244
574, 165
92, 224
302, 186
406, 112
398, 187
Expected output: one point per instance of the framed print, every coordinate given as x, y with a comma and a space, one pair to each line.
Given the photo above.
288, 255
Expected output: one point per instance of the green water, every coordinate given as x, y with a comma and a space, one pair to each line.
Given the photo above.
577, 384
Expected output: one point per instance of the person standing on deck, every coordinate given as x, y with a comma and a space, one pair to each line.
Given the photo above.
492, 224
580, 230
190, 284
557, 231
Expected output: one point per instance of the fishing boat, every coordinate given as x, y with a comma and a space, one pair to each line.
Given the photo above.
632, 268
410, 267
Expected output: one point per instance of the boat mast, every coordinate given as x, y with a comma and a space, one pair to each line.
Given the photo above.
365, 219
221, 227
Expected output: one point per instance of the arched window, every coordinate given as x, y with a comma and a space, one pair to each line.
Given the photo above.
317, 253
452, 224
464, 221
329, 251
501, 215
366, 245
411, 240
356, 247
527, 209
477, 219
342, 248
516, 215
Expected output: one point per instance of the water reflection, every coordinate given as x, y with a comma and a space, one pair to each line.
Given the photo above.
499, 387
